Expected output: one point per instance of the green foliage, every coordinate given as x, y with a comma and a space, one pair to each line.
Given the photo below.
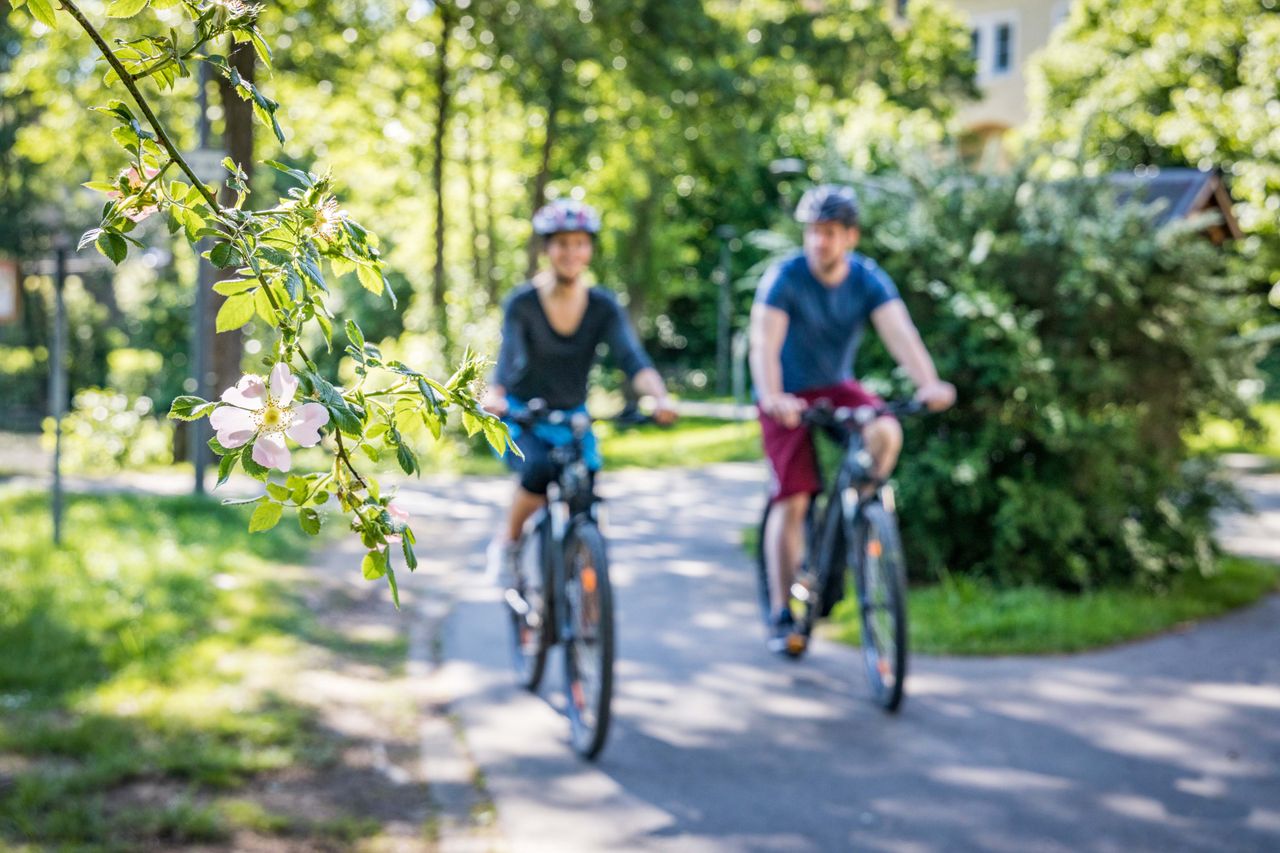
106, 431
1084, 346
1187, 82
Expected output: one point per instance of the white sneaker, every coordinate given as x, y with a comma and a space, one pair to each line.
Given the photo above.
499, 560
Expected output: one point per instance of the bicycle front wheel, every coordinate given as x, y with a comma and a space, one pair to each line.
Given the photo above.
589, 639
880, 574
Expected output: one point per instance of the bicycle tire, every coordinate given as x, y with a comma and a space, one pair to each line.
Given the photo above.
880, 574
529, 642
589, 639
762, 573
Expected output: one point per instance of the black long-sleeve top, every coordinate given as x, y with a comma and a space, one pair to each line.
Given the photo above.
536, 361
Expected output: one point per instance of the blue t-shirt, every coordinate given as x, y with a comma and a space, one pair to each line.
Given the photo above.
826, 323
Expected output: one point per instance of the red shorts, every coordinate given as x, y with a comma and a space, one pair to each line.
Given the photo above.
793, 460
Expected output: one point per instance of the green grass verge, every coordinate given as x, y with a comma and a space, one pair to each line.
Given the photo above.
143, 652
967, 617
1225, 437
691, 442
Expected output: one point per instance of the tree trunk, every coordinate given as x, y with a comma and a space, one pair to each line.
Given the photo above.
490, 231
443, 98
473, 201
227, 349
544, 169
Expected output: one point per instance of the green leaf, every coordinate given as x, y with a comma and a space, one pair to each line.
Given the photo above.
226, 465
191, 408
42, 11
395, 589
343, 417
373, 566
251, 467
235, 312
354, 334
309, 521
298, 488
299, 176
224, 255
262, 304
410, 558
279, 492
496, 434
232, 286
472, 423
370, 278
125, 8
216, 447
408, 463
109, 243
265, 517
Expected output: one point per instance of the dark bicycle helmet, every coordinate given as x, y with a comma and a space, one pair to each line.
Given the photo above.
565, 214
829, 203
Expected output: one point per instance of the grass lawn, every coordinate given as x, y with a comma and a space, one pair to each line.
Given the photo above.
966, 617
140, 671
1223, 437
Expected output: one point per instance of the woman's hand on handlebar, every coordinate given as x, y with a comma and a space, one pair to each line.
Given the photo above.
495, 402
665, 412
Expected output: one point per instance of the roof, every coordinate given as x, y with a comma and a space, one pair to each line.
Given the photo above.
1179, 192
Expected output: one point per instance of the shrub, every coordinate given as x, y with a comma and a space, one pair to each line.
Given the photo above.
106, 431
1085, 345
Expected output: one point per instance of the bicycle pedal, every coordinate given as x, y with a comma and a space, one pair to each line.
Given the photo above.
796, 644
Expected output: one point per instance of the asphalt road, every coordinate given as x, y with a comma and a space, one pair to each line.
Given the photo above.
1170, 744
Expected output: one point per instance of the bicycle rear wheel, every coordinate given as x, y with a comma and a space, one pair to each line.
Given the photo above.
880, 573
528, 611
589, 639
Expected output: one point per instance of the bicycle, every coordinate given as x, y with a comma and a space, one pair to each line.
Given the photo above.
845, 529
562, 592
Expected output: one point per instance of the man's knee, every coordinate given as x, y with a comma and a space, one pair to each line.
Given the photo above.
884, 433
793, 507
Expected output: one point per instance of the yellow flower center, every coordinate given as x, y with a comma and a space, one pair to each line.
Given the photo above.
272, 418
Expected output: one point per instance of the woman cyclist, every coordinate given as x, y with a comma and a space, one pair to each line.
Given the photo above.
552, 327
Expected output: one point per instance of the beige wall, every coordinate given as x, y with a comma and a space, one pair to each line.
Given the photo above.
1004, 104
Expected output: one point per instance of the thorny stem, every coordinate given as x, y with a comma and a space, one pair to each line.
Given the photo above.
127, 79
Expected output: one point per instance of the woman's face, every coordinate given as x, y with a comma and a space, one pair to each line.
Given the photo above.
570, 254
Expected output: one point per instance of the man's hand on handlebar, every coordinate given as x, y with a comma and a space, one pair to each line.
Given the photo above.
937, 395
783, 408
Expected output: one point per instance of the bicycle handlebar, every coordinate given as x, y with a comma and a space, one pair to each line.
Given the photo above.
822, 413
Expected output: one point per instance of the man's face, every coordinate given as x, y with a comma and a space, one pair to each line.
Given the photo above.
827, 243
569, 253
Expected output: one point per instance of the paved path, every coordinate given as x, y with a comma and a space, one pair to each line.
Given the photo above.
1171, 744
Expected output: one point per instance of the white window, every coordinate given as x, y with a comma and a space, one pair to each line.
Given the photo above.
994, 43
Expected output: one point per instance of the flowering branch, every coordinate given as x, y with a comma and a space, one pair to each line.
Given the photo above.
277, 261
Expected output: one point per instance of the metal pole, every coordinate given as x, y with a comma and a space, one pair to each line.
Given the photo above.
724, 312
200, 330
58, 379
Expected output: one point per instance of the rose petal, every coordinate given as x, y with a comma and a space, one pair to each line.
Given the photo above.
307, 420
394, 539
397, 512
270, 452
234, 426
249, 393
283, 384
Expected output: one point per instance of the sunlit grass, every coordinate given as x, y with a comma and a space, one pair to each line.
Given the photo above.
962, 616
1219, 436
149, 649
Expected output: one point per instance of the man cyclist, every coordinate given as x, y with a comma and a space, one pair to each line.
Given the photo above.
551, 329
806, 324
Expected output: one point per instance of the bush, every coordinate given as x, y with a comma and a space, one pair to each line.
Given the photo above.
106, 431
1084, 345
